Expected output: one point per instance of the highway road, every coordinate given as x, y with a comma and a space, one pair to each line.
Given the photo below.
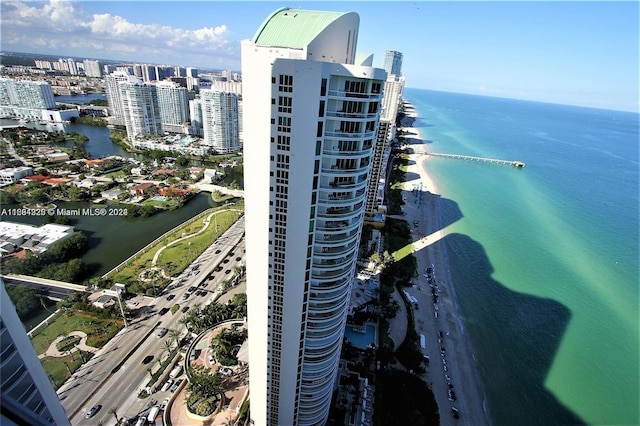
115, 375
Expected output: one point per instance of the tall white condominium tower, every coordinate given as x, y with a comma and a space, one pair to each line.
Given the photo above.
173, 102
220, 120
113, 92
392, 62
27, 395
141, 109
310, 118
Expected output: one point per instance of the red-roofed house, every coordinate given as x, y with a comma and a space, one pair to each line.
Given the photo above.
143, 189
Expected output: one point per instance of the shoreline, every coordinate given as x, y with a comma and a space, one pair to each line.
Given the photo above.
453, 365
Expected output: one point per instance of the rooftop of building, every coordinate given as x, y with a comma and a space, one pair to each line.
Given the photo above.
293, 28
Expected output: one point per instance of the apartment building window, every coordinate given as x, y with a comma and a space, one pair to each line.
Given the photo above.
284, 124
284, 143
286, 83
351, 86
284, 104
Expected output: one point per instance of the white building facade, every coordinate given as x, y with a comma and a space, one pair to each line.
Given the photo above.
173, 102
141, 109
220, 121
311, 115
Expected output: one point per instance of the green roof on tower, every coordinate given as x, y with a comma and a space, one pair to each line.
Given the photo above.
293, 28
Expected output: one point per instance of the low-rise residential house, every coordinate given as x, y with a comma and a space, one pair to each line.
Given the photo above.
163, 172
57, 156
143, 189
174, 191
11, 175
111, 194
212, 176
84, 183
56, 181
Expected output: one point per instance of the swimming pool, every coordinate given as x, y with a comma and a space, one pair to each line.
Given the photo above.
361, 340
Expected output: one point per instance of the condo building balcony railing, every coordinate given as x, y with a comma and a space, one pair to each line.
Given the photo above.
342, 153
322, 338
358, 135
323, 249
354, 115
336, 226
319, 364
345, 94
335, 169
332, 263
336, 238
319, 274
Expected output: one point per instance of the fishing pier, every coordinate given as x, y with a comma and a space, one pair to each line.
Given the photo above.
518, 164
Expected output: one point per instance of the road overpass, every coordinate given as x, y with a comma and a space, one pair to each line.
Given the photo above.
52, 289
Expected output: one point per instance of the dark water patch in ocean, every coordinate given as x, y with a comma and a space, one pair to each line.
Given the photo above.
515, 338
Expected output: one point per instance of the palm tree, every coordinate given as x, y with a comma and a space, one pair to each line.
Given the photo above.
175, 335
113, 410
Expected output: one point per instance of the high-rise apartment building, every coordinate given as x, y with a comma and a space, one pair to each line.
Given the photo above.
393, 89
27, 395
173, 102
141, 109
220, 120
310, 119
92, 68
195, 114
392, 62
113, 92
27, 94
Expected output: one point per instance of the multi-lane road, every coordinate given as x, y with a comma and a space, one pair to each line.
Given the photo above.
116, 374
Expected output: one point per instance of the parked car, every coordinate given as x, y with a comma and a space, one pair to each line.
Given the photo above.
147, 359
165, 403
176, 385
92, 411
166, 386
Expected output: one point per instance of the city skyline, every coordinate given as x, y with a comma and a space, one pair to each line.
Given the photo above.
576, 53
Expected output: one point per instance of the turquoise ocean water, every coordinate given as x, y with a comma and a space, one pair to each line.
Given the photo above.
545, 258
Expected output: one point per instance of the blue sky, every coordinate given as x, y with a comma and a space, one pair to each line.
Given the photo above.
579, 53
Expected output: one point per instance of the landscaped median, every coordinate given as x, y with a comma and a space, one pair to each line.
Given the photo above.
150, 270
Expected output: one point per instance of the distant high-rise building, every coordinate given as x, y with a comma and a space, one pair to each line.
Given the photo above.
174, 105
46, 65
27, 395
149, 73
310, 119
141, 109
220, 120
92, 68
192, 72
195, 114
72, 68
393, 62
26, 93
393, 89
113, 92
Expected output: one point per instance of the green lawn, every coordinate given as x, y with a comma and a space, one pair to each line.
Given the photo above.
58, 368
99, 331
175, 258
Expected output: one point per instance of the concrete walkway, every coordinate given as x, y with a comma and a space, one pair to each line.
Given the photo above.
53, 351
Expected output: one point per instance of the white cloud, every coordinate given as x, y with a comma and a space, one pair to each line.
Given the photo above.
62, 24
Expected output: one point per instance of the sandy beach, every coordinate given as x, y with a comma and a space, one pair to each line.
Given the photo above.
452, 373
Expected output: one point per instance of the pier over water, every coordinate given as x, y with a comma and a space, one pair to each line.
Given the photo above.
518, 164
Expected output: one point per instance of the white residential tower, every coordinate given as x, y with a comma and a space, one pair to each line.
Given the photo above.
310, 112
